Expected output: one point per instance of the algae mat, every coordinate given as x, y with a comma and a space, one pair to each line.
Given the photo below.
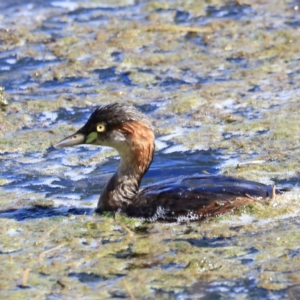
220, 81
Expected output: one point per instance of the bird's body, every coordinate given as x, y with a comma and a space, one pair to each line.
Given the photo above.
185, 198
195, 197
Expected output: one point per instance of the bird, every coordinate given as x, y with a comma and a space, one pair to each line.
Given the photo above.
186, 198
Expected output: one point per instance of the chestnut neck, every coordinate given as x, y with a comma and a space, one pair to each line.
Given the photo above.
136, 156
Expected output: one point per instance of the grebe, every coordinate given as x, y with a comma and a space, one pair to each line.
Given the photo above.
196, 197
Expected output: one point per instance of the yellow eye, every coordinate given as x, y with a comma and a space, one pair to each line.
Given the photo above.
100, 127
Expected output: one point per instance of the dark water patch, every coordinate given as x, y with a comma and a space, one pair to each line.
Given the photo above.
84, 188
147, 108
294, 253
101, 14
231, 10
7, 63
65, 82
118, 56
54, 26
230, 290
89, 278
206, 243
168, 165
49, 189
248, 112
8, 55
288, 183
160, 51
78, 190
171, 266
23, 286
255, 89
39, 212
25, 63
170, 81
20, 70
181, 17
17, 178
293, 23
229, 135
196, 78
129, 254
148, 71
89, 15
252, 250
32, 176
107, 7
262, 132
18, 4
118, 294
110, 75
236, 60
106, 241
164, 293
240, 61
247, 261
76, 116
196, 39
297, 72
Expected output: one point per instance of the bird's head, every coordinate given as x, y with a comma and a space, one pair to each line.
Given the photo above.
119, 126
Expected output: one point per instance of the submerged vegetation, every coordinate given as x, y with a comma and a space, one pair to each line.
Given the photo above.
216, 76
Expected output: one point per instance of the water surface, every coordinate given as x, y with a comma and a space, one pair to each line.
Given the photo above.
219, 80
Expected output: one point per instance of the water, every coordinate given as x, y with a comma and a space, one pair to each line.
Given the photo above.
221, 100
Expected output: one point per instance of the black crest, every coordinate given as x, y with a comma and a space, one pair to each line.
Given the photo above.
112, 115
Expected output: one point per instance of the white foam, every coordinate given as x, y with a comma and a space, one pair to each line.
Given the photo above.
13, 232
65, 4
176, 148
49, 181
79, 174
67, 200
159, 145
49, 115
29, 160
229, 163
74, 176
225, 105
170, 136
11, 61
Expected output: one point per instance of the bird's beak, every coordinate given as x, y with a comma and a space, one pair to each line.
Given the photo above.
72, 140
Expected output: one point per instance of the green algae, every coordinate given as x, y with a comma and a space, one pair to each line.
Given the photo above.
147, 253
264, 125
3, 100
